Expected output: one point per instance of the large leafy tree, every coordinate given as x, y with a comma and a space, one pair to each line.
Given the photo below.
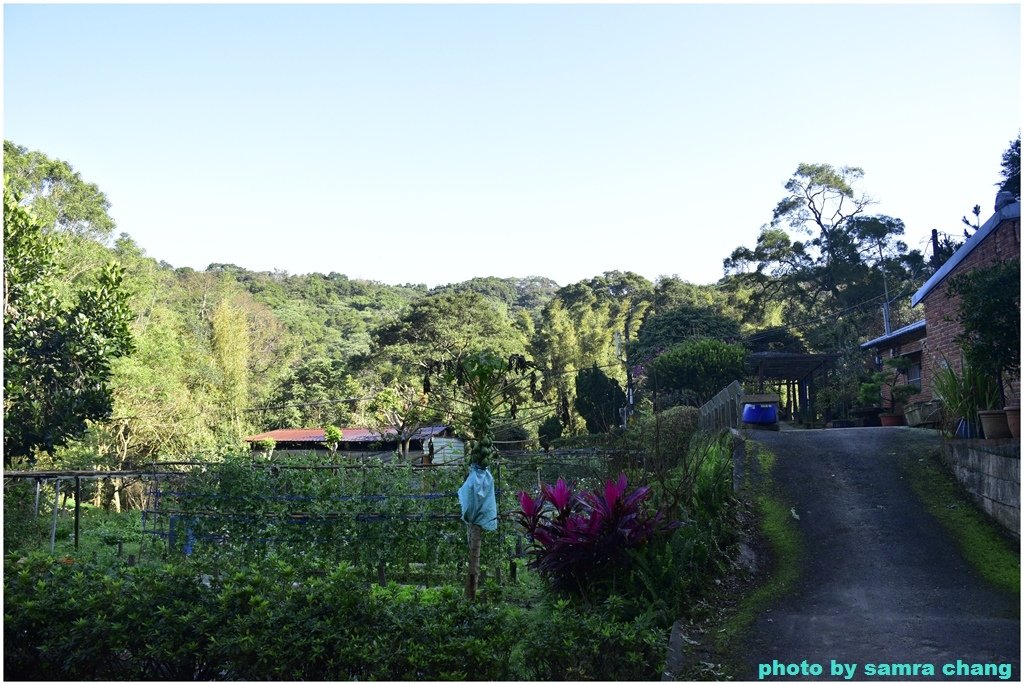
598, 400
446, 325
57, 351
698, 368
665, 328
318, 392
822, 258
56, 194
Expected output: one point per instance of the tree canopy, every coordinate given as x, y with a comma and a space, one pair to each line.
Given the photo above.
823, 257
56, 194
57, 353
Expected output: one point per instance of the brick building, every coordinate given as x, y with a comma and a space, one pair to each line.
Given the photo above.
998, 240
908, 341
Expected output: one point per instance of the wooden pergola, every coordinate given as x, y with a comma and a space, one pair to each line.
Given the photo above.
793, 374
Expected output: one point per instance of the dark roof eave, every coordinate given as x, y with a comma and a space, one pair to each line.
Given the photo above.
896, 335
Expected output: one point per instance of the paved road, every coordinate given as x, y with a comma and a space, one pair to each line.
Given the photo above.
882, 581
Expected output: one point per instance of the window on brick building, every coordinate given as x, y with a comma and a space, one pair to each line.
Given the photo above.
914, 374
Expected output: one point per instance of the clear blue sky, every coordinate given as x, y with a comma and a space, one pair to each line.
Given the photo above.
435, 143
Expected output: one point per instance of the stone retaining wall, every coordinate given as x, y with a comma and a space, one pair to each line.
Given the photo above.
990, 471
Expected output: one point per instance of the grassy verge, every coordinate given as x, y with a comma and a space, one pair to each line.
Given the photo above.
984, 545
779, 544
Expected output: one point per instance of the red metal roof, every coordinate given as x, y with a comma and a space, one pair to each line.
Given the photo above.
347, 434
290, 435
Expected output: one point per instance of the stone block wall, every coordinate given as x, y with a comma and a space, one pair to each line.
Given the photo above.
990, 471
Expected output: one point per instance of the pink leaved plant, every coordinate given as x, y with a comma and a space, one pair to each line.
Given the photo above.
587, 536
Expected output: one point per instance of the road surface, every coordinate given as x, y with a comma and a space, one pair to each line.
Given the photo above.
882, 582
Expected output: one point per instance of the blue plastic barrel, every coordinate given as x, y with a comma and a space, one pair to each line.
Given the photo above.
760, 413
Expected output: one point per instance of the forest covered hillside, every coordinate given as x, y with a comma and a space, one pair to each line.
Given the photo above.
137, 360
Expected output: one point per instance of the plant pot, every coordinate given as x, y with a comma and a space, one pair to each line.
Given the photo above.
993, 424
1013, 421
924, 413
968, 430
892, 419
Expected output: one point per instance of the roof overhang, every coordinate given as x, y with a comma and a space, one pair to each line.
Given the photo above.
899, 335
787, 366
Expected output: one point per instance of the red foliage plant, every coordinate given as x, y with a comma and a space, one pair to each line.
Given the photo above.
581, 539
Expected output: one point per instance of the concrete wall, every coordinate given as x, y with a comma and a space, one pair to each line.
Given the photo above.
990, 470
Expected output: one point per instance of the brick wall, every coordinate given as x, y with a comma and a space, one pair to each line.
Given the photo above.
900, 349
1002, 244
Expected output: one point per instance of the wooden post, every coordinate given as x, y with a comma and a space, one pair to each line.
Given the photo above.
473, 573
39, 486
78, 507
512, 570
53, 525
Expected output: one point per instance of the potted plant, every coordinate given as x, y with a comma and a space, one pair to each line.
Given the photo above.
869, 398
885, 385
962, 396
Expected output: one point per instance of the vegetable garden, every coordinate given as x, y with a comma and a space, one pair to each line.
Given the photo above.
250, 570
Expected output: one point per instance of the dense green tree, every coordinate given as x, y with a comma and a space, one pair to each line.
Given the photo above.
700, 367
665, 328
672, 291
598, 400
56, 194
839, 274
446, 325
549, 430
318, 392
57, 354
556, 349
402, 409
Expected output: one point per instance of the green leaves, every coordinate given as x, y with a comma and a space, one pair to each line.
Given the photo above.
56, 355
162, 623
989, 313
699, 366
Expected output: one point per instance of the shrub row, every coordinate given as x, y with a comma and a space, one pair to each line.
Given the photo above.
84, 621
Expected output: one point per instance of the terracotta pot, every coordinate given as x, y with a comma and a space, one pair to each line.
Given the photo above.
993, 424
892, 419
1013, 420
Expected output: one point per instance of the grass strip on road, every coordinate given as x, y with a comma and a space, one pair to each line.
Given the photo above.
981, 541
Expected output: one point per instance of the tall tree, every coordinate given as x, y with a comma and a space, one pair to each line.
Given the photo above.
822, 258
699, 368
56, 194
318, 391
57, 354
598, 400
1011, 169
231, 347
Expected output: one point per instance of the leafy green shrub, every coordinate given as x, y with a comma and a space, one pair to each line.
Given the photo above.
267, 620
566, 643
549, 431
702, 366
665, 437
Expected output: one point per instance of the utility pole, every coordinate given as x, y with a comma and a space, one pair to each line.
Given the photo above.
885, 286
